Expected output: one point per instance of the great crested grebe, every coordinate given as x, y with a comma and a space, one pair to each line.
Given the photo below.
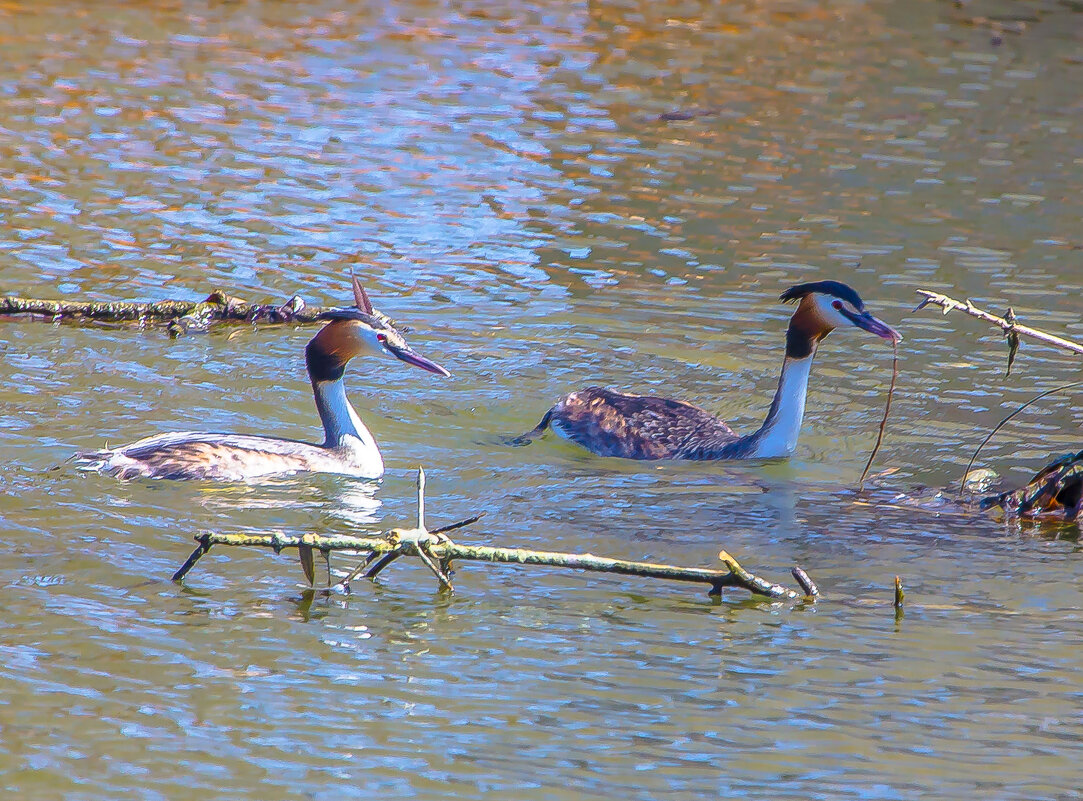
348, 448
643, 427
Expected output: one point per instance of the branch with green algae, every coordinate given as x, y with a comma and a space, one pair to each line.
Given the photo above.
437, 551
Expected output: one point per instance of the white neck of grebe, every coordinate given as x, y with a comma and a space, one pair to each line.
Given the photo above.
341, 425
778, 435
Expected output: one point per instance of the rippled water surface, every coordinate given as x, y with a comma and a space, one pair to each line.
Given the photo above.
550, 195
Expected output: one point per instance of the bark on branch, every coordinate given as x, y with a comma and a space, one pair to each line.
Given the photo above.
178, 316
437, 551
1006, 324
413, 542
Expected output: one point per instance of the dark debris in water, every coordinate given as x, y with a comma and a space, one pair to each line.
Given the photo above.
686, 115
1056, 491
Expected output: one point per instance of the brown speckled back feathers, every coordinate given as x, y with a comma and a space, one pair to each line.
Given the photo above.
637, 426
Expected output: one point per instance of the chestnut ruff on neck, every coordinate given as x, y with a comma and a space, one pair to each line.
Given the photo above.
348, 447
327, 353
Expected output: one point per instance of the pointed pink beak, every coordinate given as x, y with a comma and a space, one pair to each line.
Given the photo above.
411, 356
873, 326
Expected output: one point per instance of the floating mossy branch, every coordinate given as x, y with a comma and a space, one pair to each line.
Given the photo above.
177, 316
437, 551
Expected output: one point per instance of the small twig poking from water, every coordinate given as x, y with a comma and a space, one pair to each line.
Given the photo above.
807, 584
900, 596
445, 582
1002, 423
460, 524
194, 557
384, 560
308, 563
1008, 325
436, 550
421, 498
887, 411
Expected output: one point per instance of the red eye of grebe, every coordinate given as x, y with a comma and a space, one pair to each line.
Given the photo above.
837, 304
381, 338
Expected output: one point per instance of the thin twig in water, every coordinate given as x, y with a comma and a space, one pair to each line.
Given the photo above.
421, 497
1002, 423
381, 563
459, 524
887, 411
445, 582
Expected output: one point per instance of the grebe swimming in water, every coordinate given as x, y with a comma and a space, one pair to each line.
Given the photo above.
348, 447
643, 427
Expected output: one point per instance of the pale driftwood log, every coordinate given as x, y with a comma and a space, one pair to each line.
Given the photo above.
1008, 326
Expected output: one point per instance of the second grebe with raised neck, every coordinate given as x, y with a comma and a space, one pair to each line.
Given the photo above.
348, 447
612, 423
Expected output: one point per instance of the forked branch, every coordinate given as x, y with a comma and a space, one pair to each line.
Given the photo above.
412, 542
437, 551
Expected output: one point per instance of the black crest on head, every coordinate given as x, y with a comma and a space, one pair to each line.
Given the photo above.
362, 310
350, 314
360, 297
835, 288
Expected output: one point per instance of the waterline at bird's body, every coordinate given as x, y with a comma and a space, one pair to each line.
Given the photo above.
611, 423
348, 447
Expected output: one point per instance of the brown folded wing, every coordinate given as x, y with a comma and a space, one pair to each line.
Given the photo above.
637, 426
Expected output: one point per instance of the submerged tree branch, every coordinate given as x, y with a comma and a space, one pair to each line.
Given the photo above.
1006, 324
